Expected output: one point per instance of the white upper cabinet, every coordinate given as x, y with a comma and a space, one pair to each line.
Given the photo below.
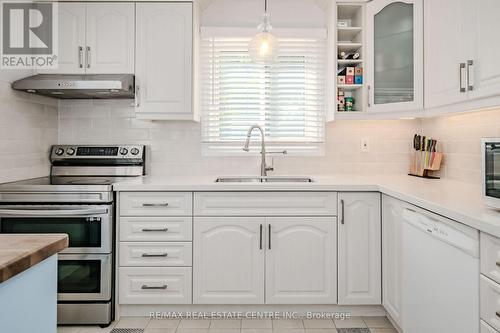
395, 55
484, 79
461, 60
71, 38
95, 38
359, 246
301, 260
391, 257
447, 44
110, 38
164, 61
228, 260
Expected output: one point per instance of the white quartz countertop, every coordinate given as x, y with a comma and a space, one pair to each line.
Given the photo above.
459, 201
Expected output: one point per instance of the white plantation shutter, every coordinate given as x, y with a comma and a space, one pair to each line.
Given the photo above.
287, 99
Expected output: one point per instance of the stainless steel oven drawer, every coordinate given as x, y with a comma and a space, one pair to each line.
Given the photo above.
84, 313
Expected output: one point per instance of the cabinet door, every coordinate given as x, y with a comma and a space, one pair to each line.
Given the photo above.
391, 257
395, 45
301, 260
445, 51
71, 38
485, 75
228, 260
164, 60
110, 38
359, 259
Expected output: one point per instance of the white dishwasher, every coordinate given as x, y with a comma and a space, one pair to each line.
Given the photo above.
440, 274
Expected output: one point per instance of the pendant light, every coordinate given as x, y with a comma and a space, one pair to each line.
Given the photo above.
263, 48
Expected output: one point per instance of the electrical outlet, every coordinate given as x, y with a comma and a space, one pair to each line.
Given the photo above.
365, 145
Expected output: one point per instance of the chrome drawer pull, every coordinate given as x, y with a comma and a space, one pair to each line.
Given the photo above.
498, 263
146, 287
155, 205
152, 255
153, 230
497, 314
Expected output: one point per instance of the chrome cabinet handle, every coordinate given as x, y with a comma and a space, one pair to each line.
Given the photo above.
369, 88
269, 231
88, 57
152, 255
498, 263
146, 287
470, 75
260, 240
497, 314
155, 230
155, 204
137, 96
463, 78
342, 205
80, 56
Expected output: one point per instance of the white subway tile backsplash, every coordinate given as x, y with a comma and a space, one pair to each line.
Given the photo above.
28, 126
175, 147
460, 136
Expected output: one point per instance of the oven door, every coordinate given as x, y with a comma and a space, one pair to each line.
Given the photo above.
84, 277
89, 227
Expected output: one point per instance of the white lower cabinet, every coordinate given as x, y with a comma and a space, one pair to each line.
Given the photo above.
490, 302
391, 257
228, 260
155, 285
359, 246
292, 259
301, 264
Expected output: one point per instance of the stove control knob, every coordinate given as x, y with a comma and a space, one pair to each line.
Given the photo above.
59, 151
134, 151
124, 151
70, 151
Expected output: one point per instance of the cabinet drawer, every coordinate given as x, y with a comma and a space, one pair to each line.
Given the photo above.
148, 285
485, 328
155, 229
490, 302
156, 203
265, 203
490, 256
156, 254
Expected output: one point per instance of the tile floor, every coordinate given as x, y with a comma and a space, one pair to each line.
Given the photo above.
365, 325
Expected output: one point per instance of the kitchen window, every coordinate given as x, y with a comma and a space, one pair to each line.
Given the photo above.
287, 98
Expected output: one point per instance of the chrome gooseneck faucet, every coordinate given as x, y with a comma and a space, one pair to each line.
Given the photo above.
263, 166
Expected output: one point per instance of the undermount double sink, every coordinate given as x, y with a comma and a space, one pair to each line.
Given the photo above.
262, 179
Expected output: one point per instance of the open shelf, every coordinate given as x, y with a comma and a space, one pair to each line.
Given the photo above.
348, 47
349, 86
348, 34
350, 39
348, 62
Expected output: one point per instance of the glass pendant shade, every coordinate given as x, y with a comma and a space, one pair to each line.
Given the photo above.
263, 48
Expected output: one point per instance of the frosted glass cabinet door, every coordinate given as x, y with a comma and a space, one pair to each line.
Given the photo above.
395, 64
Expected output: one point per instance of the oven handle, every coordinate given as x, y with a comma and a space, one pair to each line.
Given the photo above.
57, 212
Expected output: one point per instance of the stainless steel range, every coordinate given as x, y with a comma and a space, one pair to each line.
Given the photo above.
77, 199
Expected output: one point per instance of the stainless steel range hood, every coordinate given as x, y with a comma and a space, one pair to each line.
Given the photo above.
67, 86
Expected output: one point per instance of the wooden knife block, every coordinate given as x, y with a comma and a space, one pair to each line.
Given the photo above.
423, 162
